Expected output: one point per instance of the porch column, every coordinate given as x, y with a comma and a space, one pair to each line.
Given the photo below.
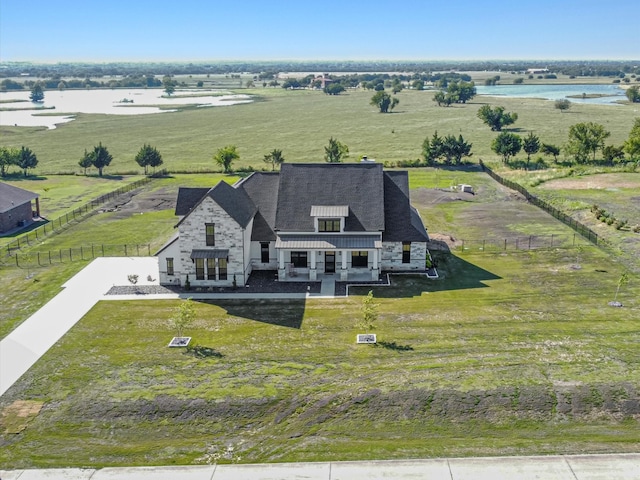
375, 272
282, 273
313, 273
344, 273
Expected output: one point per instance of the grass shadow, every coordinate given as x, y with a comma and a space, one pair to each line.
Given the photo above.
395, 347
455, 274
200, 351
283, 313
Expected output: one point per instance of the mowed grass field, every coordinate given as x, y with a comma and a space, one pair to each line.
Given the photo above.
515, 352
300, 123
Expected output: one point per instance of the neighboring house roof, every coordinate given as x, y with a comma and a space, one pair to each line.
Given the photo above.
372, 200
302, 186
11, 197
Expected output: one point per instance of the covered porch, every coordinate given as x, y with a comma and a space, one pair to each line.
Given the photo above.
344, 257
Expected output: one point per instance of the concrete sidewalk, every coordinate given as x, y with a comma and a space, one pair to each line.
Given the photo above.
575, 467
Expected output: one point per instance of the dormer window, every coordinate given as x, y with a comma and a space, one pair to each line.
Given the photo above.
329, 225
329, 218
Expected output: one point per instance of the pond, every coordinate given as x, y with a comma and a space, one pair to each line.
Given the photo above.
603, 94
59, 106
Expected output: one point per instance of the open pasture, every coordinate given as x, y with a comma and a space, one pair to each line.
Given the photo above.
300, 123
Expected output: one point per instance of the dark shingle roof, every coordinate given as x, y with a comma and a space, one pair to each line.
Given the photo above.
262, 188
234, 201
402, 220
359, 186
188, 198
11, 197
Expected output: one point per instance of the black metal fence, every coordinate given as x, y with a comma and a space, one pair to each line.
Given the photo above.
579, 227
43, 258
528, 242
34, 236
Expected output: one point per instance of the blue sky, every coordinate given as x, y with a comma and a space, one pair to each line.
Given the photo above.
188, 30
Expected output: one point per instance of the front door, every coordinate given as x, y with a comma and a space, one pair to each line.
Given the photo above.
329, 262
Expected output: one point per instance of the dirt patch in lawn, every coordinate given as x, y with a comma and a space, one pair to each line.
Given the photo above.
16, 417
140, 201
591, 182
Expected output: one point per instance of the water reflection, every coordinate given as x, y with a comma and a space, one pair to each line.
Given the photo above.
59, 106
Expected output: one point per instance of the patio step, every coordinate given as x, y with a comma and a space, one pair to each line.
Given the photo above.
328, 287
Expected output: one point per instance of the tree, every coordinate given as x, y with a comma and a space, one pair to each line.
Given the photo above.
632, 144
27, 159
225, 156
633, 94
169, 85
461, 92
432, 149
148, 156
506, 144
548, 149
384, 101
37, 93
274, 157
334, 89
441, 99
86, 161
531, 145
100, 158
8, 156
369, 311
454, 149
418, 84
335, 151
584, 139
183, 316
623, 280
562, 104
496, 118
611, 153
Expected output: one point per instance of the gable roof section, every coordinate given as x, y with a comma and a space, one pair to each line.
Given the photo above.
302, 186
234, 201
189, 198
402, 220
262, 188
12, 197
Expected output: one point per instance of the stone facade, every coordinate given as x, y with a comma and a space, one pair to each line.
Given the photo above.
392, 256
228, 236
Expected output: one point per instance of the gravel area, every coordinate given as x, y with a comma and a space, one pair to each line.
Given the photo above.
260, 281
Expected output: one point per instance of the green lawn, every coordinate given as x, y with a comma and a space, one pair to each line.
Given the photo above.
506, 354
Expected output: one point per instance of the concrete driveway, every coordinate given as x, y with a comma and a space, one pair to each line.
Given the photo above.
26, 344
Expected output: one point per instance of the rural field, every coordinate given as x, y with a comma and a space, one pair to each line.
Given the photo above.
514, 350
300, 123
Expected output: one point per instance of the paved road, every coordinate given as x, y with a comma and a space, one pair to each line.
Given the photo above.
578, 467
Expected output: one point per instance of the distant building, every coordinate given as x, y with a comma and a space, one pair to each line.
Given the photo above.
16, 207
537, 71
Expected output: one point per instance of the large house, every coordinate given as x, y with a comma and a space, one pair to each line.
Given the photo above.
17, 207
305, 221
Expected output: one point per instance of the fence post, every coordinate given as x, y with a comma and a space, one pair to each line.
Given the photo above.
125, 250
17, 261
92, 255
70, 255
505, 244
81, 252
39, 258
49, 257
103, 249
529, 242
